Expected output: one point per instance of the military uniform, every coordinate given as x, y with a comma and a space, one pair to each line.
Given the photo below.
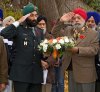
26, 66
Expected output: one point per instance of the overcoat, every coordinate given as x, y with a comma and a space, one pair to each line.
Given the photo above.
83, 63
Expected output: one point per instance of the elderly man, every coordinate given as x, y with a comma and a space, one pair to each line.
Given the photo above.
81, 58
8, 20
42, 24
26, 70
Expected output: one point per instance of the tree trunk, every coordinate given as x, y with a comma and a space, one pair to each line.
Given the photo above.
49, 9
69, 5
53, 9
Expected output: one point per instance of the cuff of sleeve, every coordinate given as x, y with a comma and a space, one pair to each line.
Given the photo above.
16, 24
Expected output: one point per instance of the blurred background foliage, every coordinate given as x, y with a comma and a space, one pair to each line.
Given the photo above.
95, 4
14, 7
9, 9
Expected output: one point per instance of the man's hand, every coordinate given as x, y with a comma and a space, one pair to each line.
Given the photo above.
67, 16
44, 64
23, 18
2, 86
74, 50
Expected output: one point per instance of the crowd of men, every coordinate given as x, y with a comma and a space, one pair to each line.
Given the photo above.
23, 67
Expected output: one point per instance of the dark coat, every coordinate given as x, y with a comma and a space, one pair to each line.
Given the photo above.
97, 58
26, 66
3, 63
97, 64
51, 61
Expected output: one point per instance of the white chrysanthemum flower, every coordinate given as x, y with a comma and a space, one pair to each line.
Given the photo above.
58, 46
70, 40
45, 41
61, 41
54, 41
41, 44
45, 46
66, 39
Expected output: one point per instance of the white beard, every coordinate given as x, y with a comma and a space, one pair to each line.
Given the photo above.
78, 26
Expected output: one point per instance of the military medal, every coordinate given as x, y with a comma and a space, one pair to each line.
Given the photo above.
25, 42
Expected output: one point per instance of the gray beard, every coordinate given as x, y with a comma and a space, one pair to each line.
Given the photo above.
78, 26
75, 26
44, 31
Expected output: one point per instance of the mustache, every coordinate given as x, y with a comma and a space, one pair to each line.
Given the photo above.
78, 25
91, 26
73, 25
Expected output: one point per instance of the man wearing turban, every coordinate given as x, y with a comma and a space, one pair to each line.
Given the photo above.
93, 20
79, 60
26, 70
